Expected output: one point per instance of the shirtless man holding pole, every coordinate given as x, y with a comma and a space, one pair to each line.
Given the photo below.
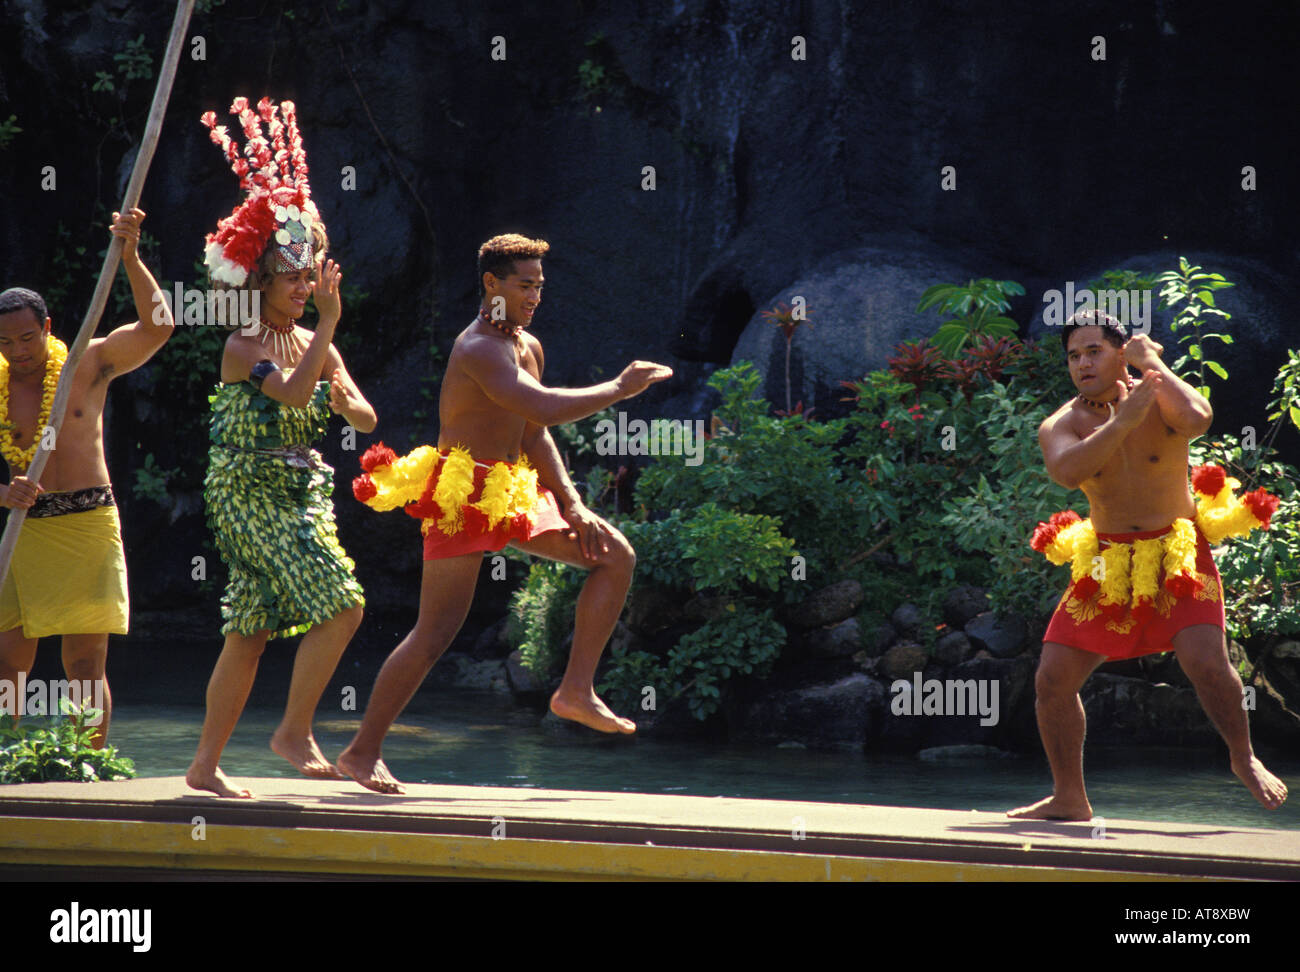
68, 573
1125, 444
480, 498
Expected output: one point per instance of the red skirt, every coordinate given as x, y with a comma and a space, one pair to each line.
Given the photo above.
476, 537
1082, 623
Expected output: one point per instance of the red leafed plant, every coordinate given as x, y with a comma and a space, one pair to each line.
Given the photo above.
994, 356
918, 363
987, 356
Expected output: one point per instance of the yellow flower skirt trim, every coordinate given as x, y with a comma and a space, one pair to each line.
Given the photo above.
1128, 571
436, 489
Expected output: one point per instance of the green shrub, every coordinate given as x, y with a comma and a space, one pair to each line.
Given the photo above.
746, 639
541, 614
1261, 572
996, 517
938, 466
61, 752
1195, 291
784, 468
976, 309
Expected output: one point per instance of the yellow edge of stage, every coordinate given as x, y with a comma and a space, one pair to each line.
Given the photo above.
250, 850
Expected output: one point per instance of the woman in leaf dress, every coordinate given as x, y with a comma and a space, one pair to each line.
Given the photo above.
268, 492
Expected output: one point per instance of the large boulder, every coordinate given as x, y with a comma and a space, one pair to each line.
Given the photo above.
998, 711
828, 605
861, 302
963, 603
952, 649
834, 641
903, 659
1003, 636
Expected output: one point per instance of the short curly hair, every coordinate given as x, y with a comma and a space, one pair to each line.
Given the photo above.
16, 298
498, 255
1111, 329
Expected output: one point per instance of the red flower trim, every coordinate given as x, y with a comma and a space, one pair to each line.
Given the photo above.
1085, 587
1183, 585
377, 455
425, 508
1262, 505
1208, 480
364, 488
1045, 533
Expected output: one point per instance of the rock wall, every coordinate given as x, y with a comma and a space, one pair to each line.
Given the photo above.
772, 175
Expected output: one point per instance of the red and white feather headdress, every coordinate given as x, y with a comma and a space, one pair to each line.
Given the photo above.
272, 169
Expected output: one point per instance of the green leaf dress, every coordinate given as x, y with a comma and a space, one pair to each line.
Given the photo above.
268, 497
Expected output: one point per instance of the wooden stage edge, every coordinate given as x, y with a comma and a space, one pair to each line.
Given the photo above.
333, 829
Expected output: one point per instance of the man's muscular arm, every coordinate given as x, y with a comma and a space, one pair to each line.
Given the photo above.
514, 389
541, 451
544, 455
128, 347
1071, 460
1182, 407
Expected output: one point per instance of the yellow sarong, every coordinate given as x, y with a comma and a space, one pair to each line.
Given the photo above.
68, 576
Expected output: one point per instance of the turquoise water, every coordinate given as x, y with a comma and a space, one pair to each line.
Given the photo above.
461, 738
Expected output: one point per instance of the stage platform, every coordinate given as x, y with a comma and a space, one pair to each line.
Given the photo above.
306, 829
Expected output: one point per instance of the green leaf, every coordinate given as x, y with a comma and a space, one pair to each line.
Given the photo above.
934, 295
1294, 412
1217, 369
949, 339
1206, 297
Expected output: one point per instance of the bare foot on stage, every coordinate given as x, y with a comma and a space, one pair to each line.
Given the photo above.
1054, 809
1263, 785
215, 782
370, 773
305, 756
591, 712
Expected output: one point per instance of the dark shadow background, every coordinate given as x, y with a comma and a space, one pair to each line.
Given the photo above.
764, 166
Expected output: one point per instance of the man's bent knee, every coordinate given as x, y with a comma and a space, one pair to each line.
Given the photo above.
620, 553
1062, 670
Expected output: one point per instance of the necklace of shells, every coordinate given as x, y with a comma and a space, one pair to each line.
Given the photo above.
283, 340
57, 354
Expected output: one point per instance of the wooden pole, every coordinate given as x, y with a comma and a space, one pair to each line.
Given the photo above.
111, 259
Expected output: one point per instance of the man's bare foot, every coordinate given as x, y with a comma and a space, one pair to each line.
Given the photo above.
215, 782
305, 756
591, 712
370, 773
1263, 785
1054, 809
